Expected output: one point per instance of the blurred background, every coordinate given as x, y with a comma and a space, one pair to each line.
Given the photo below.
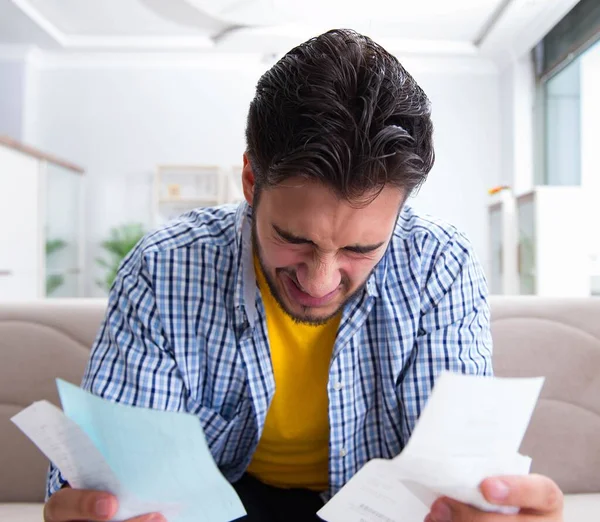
116, 116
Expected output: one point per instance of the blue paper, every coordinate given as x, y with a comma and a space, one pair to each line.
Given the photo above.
158, 457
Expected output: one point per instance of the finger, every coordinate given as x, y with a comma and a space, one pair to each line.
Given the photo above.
448, 510
531, 492
151, 517
80, 504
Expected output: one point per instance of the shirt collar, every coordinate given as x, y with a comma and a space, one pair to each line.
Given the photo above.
245, 280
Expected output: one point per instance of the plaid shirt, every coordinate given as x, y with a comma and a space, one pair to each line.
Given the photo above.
185, 330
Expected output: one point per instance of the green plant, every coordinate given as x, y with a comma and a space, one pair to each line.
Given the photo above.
54, 281
54, 245
120, 242
527, 262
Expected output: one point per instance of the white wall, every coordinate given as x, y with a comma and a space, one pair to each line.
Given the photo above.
466, 115
517, 98
119, 121
507, 124
517, 102
12, 94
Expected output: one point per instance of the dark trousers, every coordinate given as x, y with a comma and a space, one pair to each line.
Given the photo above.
265, 503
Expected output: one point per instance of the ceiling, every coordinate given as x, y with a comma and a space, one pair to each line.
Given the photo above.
271, 27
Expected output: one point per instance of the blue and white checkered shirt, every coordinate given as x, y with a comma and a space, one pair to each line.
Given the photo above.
185, 331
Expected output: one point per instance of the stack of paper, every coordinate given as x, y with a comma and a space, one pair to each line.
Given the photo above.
153, 461
471, 429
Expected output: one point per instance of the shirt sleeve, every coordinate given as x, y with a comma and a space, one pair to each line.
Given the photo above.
454, 329
131, 361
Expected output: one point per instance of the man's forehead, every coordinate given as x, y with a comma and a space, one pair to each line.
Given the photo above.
299, 186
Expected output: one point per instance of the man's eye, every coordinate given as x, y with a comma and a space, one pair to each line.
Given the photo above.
358, 251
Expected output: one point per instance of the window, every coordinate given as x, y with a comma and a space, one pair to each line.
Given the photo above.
567, 66
568, 71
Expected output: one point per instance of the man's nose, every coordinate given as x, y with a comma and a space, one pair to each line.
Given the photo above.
319, 278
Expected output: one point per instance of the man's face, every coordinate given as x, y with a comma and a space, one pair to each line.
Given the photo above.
317, 250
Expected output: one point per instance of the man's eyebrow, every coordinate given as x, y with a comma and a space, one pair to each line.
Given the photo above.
298, 240
292, 238
364, 249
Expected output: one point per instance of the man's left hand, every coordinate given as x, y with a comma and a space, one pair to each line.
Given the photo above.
538, 497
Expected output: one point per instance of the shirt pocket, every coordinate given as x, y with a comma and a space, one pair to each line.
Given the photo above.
229, 440
215, 426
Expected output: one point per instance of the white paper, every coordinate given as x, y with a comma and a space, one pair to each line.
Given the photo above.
152, 460
81, 464
375, 494
65, 444
471, 415
471, 429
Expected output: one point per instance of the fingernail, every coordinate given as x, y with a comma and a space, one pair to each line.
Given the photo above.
441, 512
498, 490
104, 508
156, 518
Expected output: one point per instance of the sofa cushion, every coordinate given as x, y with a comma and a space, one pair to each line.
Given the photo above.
582, 508
559, 339
22, 512
39, 341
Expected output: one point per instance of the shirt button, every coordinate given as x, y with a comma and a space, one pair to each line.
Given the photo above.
338, 386
343, 452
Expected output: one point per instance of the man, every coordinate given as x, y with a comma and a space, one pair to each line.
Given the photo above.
306, 328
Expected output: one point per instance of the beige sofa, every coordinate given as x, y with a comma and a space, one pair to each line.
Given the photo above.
556, 338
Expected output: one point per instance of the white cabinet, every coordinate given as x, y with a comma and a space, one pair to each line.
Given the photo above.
553, 243
41, 234
20, 247
496, 279
539, 242
503, 277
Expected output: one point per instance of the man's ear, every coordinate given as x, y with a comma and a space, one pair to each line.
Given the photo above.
248, 180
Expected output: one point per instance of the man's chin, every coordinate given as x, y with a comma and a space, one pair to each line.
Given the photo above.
313, 316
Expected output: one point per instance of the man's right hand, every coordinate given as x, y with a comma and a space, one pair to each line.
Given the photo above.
69, 505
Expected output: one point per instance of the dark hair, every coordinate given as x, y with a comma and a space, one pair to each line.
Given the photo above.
342, 110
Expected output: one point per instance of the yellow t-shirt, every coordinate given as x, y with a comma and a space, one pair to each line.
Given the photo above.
293, 451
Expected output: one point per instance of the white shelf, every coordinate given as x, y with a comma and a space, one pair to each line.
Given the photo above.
185, 187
